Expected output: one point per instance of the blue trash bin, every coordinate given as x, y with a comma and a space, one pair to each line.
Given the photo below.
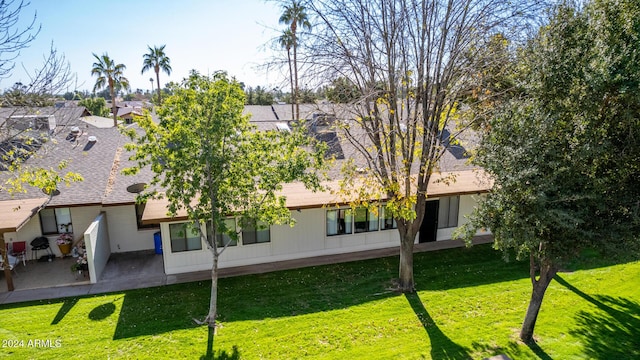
157, 240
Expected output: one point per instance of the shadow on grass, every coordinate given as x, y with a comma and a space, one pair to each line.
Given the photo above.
465, 267
102, 312
539, 351
308, 290
220, 354
611, 333
67, 305
513, 350
153, 311
441, 346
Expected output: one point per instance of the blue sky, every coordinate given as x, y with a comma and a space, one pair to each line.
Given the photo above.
204, 35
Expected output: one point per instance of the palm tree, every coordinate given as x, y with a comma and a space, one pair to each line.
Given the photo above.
286, 40
109, 74
295, 15
157, 60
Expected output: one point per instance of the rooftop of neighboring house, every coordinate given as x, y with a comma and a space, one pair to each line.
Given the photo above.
84, 141
95, 151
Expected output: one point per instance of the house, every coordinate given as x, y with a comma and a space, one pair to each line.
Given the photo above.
82, 208
127, 113
101, 211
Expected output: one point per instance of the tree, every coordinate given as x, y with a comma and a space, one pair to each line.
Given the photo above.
341, 91
286, 40
110, 75
97, 106
212, 163
19, 143
13, 39
409, 62
258, 96
157, 60
295, 15
564, 153
19, 95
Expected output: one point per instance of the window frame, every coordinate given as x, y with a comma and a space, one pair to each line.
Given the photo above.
219, 237
383, 218
57, 213
188, 241
255, 228
347, 218
368, 215
451, 221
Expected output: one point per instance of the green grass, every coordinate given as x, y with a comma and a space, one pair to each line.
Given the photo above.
469, 304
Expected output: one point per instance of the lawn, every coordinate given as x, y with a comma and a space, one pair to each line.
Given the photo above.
469, 304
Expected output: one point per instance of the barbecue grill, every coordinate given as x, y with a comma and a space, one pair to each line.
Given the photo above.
40, 243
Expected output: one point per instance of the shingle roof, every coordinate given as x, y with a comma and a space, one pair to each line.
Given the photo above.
101, 162
91, 159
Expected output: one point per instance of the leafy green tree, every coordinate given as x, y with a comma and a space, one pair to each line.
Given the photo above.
258, 96
212, 163
110, 75
97, 106
565, 152
157, 60
294, 15
307, 96
342, 91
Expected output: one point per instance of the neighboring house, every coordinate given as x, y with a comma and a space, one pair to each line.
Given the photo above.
103, 213
127, 113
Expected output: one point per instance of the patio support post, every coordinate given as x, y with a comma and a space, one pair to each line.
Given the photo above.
5, 259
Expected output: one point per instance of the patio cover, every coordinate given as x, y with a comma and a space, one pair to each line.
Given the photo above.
15, 213
298, 197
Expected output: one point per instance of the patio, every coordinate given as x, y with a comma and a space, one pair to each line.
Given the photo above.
121, 267
38, 274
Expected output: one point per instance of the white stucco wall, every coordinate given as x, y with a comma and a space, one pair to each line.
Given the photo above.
306, 239
96, 239
123, 230
81, 217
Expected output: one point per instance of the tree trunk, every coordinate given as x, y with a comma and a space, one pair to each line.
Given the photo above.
405, 281
113, 102
408, 231
213, 301
293, 114
159, 87
295, 71
547, 272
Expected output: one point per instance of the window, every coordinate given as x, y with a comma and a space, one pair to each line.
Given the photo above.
55, 221
222, 239
339, 222
255, 232
184, 237
448, 212
388, 221
139, 212
365, 220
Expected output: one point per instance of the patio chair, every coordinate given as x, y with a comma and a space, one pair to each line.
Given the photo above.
13, 261
19, 250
